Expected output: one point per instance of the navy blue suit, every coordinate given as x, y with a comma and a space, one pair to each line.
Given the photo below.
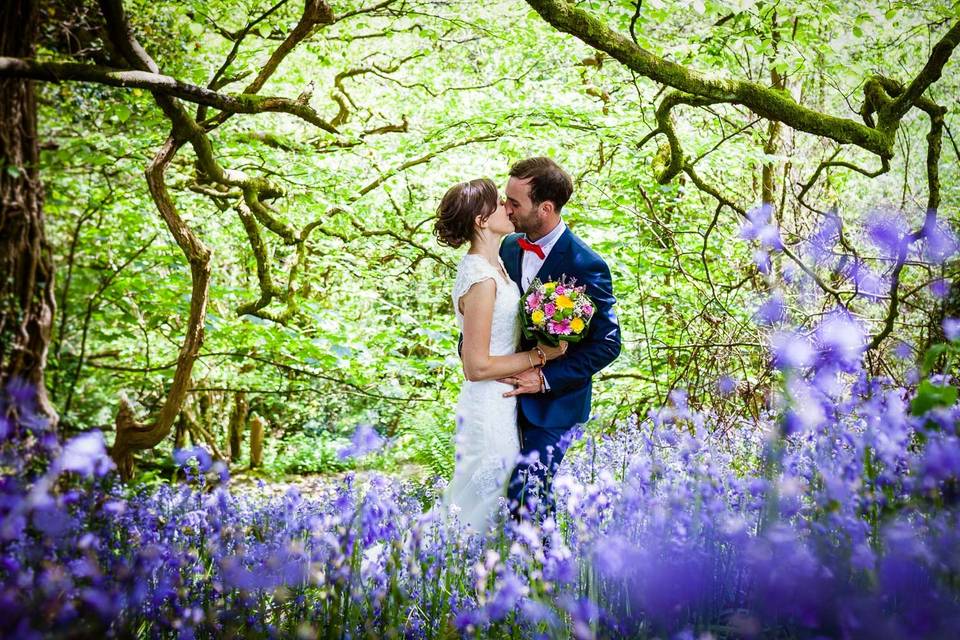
544, 418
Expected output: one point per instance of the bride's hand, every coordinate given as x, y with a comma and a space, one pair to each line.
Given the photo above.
553, 353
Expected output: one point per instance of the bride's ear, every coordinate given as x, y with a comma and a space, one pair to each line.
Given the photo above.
478, 222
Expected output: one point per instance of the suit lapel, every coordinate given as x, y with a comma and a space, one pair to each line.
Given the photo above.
513, 261
518, 266
550, 269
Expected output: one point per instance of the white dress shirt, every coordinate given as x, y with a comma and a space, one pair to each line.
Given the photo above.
531, 262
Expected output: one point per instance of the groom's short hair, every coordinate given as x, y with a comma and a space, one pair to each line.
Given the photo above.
547, 180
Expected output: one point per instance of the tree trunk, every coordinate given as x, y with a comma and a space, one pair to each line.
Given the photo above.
238, 420
180, 434
131, 435
27, 302
257, 425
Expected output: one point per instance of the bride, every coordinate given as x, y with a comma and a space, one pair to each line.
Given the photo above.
486, 304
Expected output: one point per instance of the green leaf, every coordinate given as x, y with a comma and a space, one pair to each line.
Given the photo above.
929, 396
931, 356
122, 112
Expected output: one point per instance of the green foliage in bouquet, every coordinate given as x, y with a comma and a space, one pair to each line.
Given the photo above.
555, 312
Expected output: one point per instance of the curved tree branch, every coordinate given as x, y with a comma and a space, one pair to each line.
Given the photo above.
764, 101
131, 435
159, 83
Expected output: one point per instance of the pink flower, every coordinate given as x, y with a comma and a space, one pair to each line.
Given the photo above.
560, 290
561, 328
587, 311
549, 309
533, 301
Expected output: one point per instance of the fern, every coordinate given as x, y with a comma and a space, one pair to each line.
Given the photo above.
429, 442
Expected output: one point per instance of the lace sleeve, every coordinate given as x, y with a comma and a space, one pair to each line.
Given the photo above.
472, 269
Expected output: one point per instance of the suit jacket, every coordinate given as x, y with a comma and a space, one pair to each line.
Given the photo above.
568, 401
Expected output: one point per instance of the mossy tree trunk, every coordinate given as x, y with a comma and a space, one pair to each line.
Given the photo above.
27, 300
238, 422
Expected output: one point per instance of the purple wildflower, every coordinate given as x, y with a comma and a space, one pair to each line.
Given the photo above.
86, 454
886, 230
940, 288
773, 310
760, 227
841, 340
791, 350
365, 440
182, 458
726, 385
951, 328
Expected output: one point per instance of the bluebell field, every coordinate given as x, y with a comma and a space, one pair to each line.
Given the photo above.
834, 515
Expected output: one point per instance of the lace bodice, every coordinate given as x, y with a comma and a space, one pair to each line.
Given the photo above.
505, 329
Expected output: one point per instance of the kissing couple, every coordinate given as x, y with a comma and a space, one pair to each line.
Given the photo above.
521, 398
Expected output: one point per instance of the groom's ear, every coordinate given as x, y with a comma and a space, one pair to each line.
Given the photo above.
547, 207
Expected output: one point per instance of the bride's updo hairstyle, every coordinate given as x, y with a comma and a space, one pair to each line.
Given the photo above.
462, 203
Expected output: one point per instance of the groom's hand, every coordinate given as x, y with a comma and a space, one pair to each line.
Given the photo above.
525, 382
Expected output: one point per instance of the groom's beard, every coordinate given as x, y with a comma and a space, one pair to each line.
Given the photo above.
522, 223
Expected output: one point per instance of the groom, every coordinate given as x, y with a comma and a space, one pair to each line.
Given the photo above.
554, 398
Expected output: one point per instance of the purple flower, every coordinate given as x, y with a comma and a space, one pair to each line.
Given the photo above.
773, 310
761, 259
759, 227
509, 591
791, 350
886, 230
583, 613
940, 242
941, 461
869, 284
182, 457
86, 454
534, 300
903, 350
468, 620
951, 328
841, 340
940, 288
364, 440
822, 242
726, 385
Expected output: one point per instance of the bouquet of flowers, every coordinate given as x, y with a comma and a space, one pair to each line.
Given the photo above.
556, 311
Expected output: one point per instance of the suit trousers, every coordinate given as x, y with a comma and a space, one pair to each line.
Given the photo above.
530, 490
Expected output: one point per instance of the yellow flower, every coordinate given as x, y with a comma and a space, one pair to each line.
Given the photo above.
537, 317
549, 287
563, 302
576, 325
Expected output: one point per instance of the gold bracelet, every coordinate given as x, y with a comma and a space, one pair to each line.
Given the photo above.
541, 355
530, 360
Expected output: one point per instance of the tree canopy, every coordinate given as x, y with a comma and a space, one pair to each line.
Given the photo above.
295, 153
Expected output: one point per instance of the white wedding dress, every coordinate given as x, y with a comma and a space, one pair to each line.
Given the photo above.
487, 442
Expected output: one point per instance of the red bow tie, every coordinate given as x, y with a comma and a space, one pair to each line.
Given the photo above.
526, 245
